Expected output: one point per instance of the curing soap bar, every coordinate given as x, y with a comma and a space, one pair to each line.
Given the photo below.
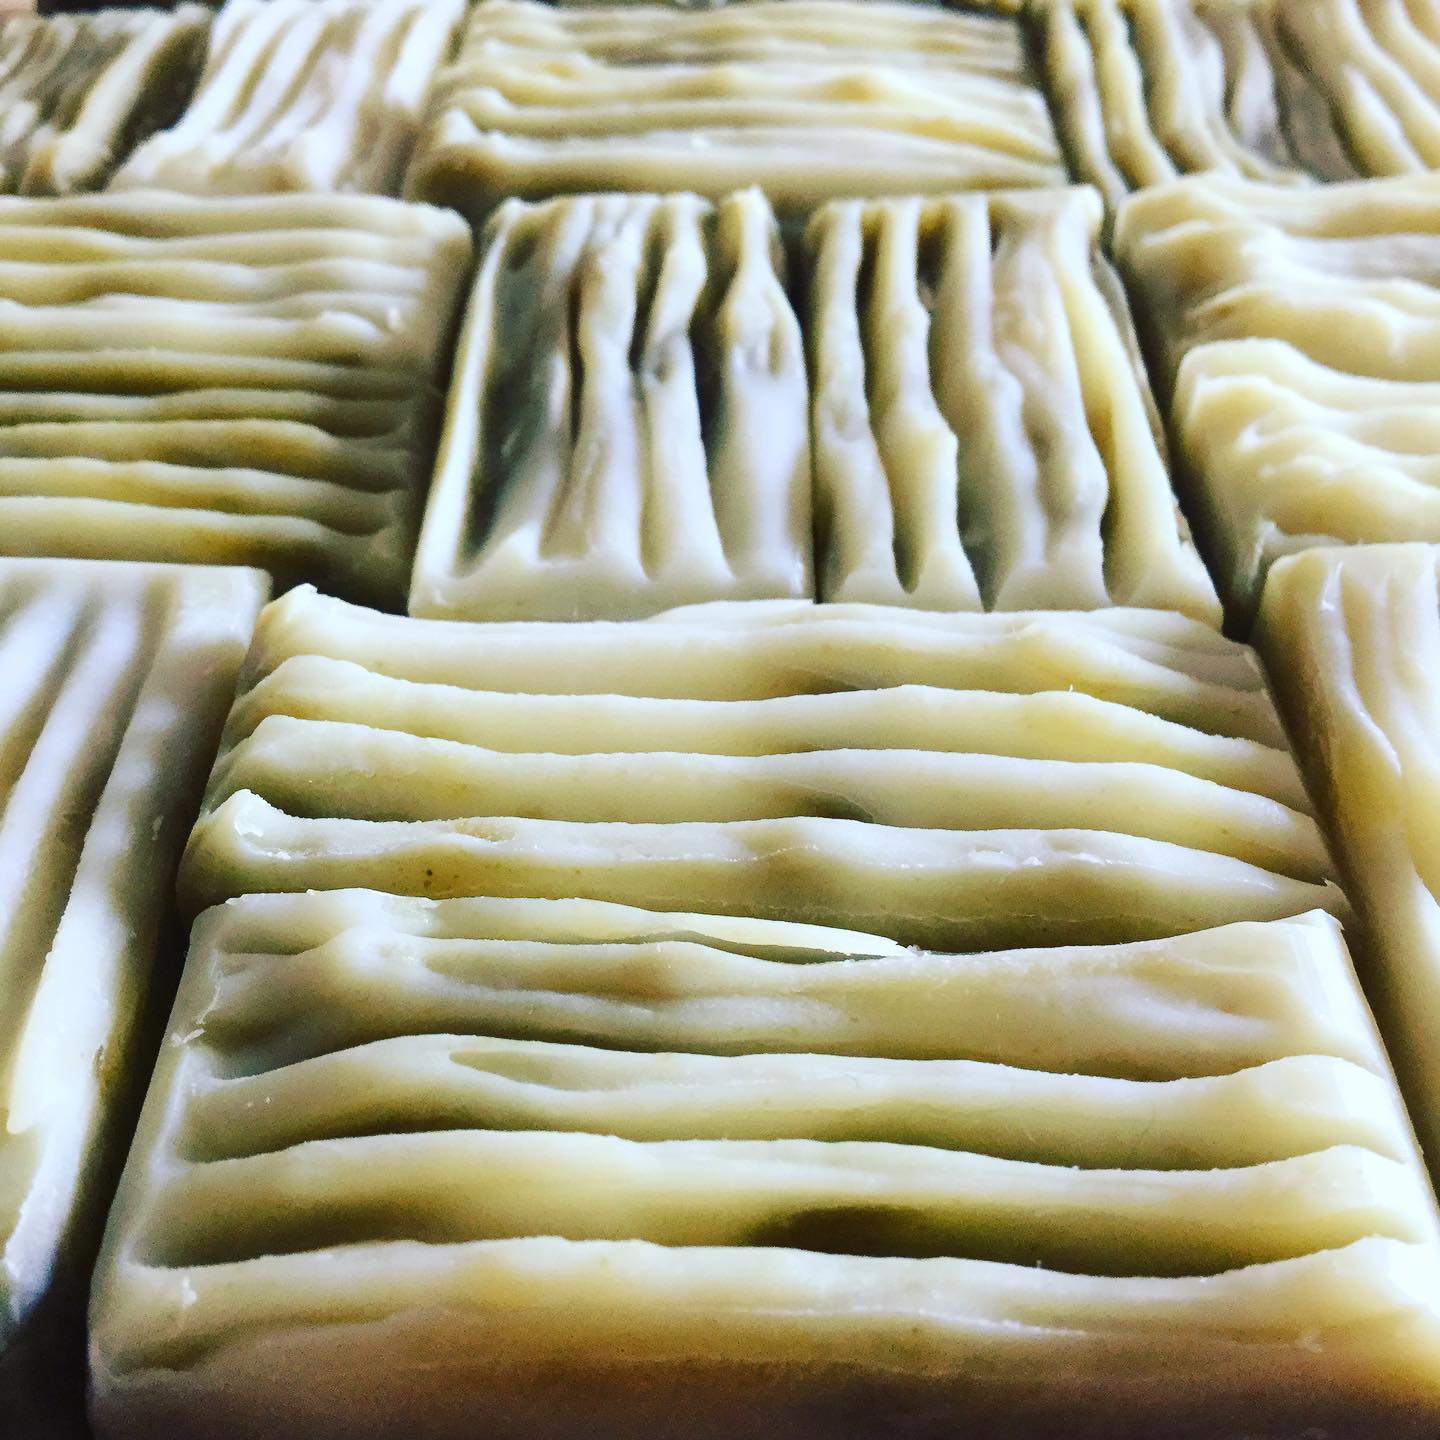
1302, 332
806, 98
414, 1167
1352, 637
233, 380
627, 425
956, 780
303, 95
1283, 90
78, 91
116, 679
984, 432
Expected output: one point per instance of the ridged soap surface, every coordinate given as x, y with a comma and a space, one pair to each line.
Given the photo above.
627, 426
115, 683
1352, 637
807, 99
1281, 90
302, 95
697, 1171
984, 432
233, 380
77, 92
1301, 330
952, 780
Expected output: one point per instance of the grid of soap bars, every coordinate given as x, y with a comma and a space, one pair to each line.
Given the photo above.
751, 883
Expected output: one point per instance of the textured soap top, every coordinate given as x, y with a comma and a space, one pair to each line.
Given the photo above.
247, 380
653, 1158
1303, 332
1352, 637
962, 781
806, 98
984, 432
116, 680
1286, 90
627, 426
1342, 272
303, 95
78, 91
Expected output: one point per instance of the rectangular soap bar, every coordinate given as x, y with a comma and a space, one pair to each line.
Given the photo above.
416, 1168
951, 780
1352, 636
1301, 331
77, 92
627, 427
984, 432
115, 683
807, 99
1146, 90
302, 95
234, 380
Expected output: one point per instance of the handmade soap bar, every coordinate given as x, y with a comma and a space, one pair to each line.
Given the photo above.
303, 95
960, 781
1146, 90
1352, 637
1283, 90
808, 99
984, 433
115, 683
246, 380
77, 91
1302, 331
413, 1167
627, 424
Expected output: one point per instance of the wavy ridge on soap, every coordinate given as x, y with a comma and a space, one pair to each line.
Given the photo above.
626, 428
1351, 636
247, 380
543, 101
78, 92
984, 432
302, 95
582, 1126
952, 780
1287, 91
116, 682
1299, 336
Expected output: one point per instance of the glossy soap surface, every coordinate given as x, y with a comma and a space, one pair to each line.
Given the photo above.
950, 780
717, 1167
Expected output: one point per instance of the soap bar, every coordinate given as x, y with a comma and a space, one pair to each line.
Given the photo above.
78, 91
950, 780
302, 95
690, 1174
984, 432
116, 679
1301, 334
627, 426
1376, 68
1143, 89
808, 99
1344, 273
234, 380
1351, 636
1279, 90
